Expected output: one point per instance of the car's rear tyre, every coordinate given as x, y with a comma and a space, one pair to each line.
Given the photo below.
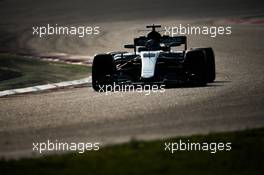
210, 63
195, 65
102, 72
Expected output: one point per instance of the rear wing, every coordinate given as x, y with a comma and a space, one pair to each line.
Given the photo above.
166, 40
174, 41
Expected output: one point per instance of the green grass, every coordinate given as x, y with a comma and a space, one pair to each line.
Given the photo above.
149, 157
19, 72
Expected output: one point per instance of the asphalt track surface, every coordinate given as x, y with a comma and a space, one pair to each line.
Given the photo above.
233, 102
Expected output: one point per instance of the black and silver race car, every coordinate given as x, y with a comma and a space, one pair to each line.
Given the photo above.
155, 61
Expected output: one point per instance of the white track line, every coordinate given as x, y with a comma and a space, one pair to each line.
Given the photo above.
38, 88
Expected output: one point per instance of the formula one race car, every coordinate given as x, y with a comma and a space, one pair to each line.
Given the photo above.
154, 62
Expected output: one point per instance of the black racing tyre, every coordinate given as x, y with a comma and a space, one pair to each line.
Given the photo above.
102, 71
195, 65
210, 64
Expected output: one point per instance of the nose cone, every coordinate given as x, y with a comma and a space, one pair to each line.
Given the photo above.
148, 63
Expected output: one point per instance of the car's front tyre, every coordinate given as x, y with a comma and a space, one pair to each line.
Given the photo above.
102, 72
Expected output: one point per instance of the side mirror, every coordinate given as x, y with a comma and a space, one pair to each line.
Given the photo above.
129, 46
